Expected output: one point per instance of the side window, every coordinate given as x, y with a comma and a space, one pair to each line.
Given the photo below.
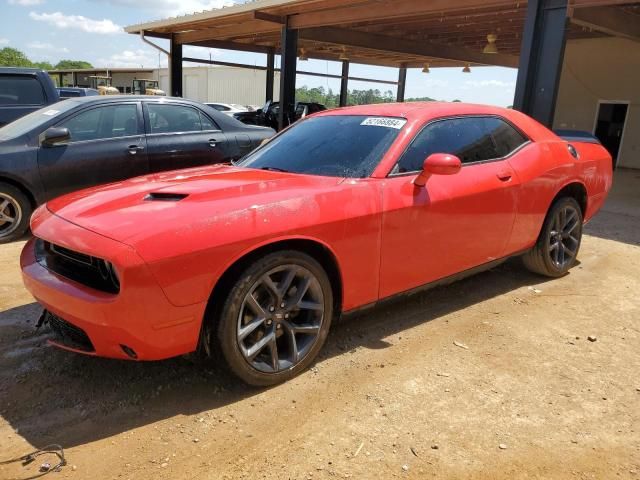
207, 123
166, 118
506, 138
109, 121
472, 139
20, 90
125, 121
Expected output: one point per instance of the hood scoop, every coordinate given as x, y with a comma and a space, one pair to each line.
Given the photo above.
165, 197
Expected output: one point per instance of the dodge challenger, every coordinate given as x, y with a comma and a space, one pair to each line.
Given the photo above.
250, 263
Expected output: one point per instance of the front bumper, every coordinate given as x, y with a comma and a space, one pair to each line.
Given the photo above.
139, 317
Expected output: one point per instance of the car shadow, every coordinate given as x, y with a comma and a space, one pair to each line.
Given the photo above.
52, 396
616, 226
619, 219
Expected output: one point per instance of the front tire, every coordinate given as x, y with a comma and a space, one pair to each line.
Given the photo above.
15, 212
556, 250
275, 319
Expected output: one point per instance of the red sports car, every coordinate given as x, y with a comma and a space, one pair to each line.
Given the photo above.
251, 262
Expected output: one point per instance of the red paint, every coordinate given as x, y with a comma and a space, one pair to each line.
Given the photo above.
438, 164
387, 234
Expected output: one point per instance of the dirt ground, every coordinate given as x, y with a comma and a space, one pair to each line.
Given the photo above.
391, 395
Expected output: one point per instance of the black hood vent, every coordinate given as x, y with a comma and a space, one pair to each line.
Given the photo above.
165, 197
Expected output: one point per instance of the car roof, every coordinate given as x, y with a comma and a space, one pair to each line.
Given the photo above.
124, 98
413, 110
20, 70
418, 112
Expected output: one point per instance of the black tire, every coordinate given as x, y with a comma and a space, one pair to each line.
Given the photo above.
250, 294
557, 247
15, 212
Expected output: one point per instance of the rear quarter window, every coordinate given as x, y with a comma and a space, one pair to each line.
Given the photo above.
20, 90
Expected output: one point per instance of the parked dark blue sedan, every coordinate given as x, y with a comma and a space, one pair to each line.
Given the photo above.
88, 141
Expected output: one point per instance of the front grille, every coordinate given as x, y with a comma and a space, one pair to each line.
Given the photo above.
67, 334
87, 270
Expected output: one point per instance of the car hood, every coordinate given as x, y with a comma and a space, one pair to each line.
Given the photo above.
145, 205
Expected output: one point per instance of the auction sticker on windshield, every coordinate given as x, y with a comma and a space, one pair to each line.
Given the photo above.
396, 123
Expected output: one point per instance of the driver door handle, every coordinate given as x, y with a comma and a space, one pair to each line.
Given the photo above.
213, 142
133, 149
504, 175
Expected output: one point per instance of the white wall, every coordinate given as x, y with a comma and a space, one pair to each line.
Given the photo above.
222, 84
601, 69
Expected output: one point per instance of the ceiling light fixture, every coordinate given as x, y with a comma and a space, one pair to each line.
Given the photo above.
343, 56
466, 69
426, 68
303, 55
491, 46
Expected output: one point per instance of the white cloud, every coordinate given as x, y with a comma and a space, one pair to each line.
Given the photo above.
78, 22
489, 83
148, 57
200, 52
433, 83
26, 3
133, 59
172, 7
4, 41
47, 46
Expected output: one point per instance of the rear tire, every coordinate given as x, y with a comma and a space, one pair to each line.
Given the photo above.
275, 319
15, 212
556, 250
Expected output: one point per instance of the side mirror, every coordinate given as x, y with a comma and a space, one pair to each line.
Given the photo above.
259, 111
438, 164
54, 136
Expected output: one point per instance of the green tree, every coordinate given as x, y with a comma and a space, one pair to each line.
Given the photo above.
10, 57
421, 99
355, 97
72, 65
43, 65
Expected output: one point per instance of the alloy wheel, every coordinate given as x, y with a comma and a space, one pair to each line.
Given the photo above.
10, 214
564, 237
280, 318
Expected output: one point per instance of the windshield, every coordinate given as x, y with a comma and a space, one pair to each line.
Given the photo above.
332, 146
35, 119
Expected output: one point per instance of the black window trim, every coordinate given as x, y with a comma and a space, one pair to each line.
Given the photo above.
213, 122
527, 141
72, 115
147, 119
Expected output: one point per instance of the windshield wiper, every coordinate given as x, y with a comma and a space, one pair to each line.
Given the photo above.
275, 169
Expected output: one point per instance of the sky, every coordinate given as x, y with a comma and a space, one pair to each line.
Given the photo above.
92, 30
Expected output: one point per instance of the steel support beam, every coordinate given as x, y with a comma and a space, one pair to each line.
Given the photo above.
175, 68
271, 68
299, 72
541, 58
402, 83
344, 84
288, 66
609, 20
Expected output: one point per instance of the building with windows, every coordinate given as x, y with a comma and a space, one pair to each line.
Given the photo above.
121, 78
